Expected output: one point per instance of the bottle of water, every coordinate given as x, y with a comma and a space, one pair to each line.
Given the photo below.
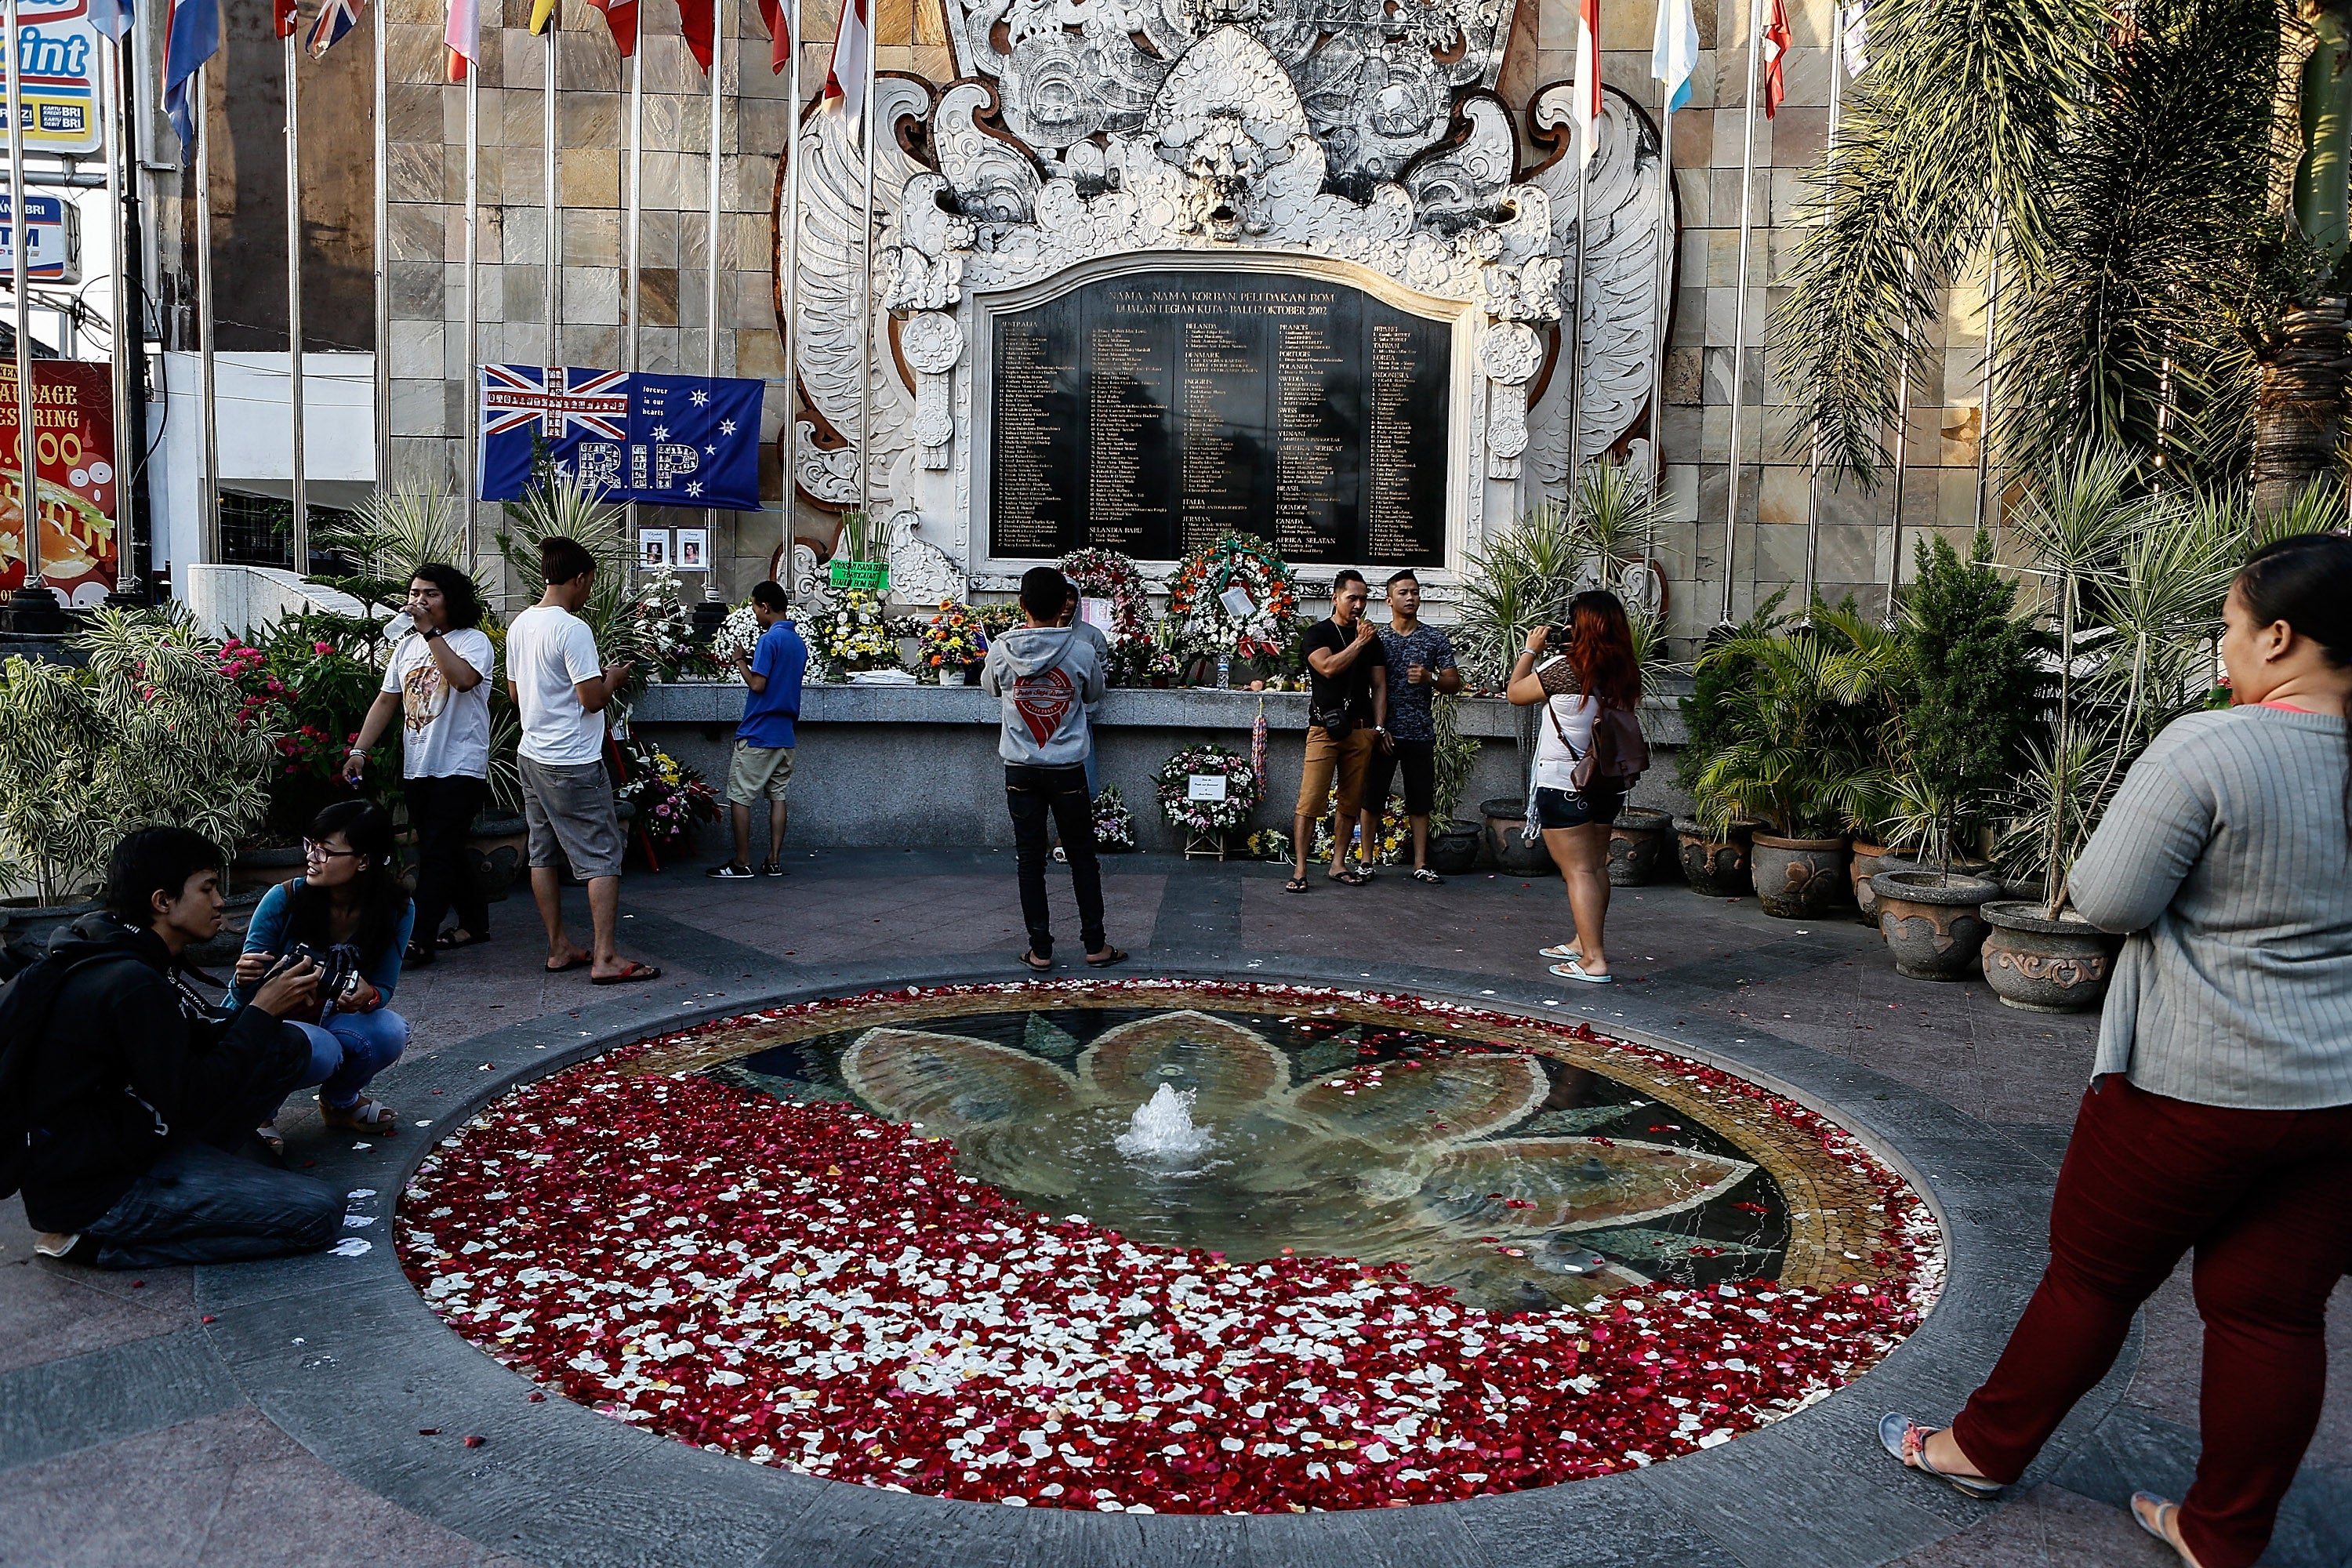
1225, 672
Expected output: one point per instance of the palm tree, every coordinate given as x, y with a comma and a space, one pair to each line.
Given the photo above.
2124, 158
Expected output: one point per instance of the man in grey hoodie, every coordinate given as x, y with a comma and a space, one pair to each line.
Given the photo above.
1046, 676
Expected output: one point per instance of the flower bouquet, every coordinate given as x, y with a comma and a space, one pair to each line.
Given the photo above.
951, 640
1206, 813
670, 799
1395, 832
855, 634
999, 618
1113, 823
1108, 574
1268, 844
1234, 598
655, 629
737, 636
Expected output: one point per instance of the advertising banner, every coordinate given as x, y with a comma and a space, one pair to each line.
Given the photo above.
59, 48
73, 450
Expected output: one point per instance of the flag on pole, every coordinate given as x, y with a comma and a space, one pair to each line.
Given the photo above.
1854, 37
779, 36
1674, 56
1776, 50
621, 21
464, 37
285, 16
1588, 79
844, 83
542, 17
111, 18
697, 19
335, 18
191, 36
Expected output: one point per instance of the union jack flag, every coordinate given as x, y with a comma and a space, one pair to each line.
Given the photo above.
336, 17
513, 396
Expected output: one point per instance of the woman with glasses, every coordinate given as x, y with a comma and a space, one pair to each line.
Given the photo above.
348, 913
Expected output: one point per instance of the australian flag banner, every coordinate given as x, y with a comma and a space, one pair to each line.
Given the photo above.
650, 437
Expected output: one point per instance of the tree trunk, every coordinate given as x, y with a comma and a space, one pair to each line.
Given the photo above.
2299, 412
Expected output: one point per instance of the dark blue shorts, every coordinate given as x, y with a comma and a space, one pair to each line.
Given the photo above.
1561, 808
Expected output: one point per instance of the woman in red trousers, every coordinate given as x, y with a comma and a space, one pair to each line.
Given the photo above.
2218, 1118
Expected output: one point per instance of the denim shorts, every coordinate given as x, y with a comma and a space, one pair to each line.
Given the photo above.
1563, 809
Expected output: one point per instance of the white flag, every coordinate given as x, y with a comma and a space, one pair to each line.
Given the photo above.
844, 83
1854, 37
1588, 79
1675, 55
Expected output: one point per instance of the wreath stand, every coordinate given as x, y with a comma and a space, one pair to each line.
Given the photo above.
1208, 845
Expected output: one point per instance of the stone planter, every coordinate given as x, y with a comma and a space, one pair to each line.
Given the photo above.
1715, 868
1454, 851
37, 922
496, 853
1799, 879
1513, 855
1932, 923
1869, 860
259, 865
1637, 846
2039, 966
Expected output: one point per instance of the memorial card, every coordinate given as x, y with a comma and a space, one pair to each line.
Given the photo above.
1204, 786
653, 549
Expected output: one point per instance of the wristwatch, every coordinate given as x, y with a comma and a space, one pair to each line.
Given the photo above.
429, 633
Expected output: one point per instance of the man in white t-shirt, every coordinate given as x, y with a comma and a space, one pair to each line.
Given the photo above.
438, 686
560, 691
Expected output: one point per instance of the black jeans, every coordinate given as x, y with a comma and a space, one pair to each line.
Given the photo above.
442, 810
1029, 793
200, 1204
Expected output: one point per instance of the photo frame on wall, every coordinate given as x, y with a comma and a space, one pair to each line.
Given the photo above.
653, 549
691, 551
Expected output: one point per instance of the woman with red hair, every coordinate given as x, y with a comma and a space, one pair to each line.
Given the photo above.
1577, 674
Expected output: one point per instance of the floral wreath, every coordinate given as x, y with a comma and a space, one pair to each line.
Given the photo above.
1245, 787
1204, 620
1108, 574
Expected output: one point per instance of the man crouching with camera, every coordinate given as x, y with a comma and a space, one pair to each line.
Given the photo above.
137, 1093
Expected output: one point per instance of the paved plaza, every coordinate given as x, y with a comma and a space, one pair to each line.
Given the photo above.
172, 1418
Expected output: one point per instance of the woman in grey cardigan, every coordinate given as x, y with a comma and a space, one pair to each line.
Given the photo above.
2220, 1113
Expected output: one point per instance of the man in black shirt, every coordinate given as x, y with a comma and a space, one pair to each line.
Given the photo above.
1346, 716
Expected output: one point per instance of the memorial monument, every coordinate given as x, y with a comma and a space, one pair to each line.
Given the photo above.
1151, 269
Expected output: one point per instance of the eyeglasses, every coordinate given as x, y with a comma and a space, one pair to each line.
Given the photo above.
312, 851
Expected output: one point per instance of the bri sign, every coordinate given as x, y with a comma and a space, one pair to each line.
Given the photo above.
648, 436
59, 49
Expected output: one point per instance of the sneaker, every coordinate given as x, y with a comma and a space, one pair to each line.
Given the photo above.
730, 872
1061, 856
57, 1243
771, 869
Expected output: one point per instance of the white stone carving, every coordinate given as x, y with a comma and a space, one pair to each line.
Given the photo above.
932, 342
921, 572
1510, 354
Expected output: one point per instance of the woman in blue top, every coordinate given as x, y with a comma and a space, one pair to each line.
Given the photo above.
349, 905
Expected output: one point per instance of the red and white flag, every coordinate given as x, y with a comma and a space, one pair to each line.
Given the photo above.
779, 36
1588, 79
845, 84
698, 20
287, 15
621, 21
1776, 50
464, 37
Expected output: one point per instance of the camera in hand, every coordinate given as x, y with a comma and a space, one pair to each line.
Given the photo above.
336, 966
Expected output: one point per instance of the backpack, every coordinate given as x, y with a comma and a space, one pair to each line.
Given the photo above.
1619, 751
27, 1000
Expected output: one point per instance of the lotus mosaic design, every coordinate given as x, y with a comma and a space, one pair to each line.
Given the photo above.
1406, 1161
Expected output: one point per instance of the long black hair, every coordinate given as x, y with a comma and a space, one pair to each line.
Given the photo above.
367, 828
2305, 580
459, 603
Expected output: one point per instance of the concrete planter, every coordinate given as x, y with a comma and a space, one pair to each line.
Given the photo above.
2039, 966
1637, 846
1932, 922
1799, 879
1869, 860
496, 854
1715, 868
1454, 850
1514, 855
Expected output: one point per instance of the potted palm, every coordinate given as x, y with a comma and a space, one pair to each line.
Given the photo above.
1799, 750
1453, 844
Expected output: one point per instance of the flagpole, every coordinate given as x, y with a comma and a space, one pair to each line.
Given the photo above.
1665, 283
116, 139
865, 299
205, 385
301, 540
20, 251
637, 209
710, 303
1992, 361
791, 305
1901, 441
1576, 319
382, 261
1740, 297
472, 445
550, 136
1813, 474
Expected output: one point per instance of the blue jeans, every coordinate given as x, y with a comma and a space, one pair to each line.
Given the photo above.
348, 1049
200, 1205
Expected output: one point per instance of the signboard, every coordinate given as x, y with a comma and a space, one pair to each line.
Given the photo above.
55, 256
644, 436
1148, 414
73, 449
59, 48
1204, 786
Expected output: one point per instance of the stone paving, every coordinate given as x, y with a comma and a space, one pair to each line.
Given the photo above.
122, 1450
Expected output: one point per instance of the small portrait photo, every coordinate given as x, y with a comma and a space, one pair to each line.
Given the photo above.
693, 550
653, 549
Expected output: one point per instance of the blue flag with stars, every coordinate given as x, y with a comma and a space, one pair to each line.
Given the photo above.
650, 437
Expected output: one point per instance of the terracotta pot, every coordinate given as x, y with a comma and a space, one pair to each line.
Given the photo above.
1454, 850
1514, 855
2039, 966
1715, 868
1931, 922
1798, 878
1637, 846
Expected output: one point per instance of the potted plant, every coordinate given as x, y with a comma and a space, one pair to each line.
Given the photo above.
853, 569
1453, 844
1637, 846
1797, 737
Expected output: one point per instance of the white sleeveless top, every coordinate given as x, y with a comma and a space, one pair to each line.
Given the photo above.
1572, 714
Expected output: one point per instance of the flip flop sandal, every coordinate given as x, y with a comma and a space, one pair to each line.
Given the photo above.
1563, 952
1296, 885
2157, 1506
1423, 874
629, 976
417, 955
448, 942
1907, 1441
1349, 879
582, 961
363, 1115
1029, 960
267, 1133
1109, 957
1573, 970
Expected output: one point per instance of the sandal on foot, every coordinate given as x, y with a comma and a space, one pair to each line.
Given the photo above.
1105, 958
2150, 1511
417, 955
1349, 878
1574, 970
1907, 1441
1423, 874
1296, 885
1029, 960
1564, 952
569, 964
628, 974
456, 937
363, 1115
267, 1133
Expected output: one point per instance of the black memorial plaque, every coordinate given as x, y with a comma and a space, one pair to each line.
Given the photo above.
1149, 415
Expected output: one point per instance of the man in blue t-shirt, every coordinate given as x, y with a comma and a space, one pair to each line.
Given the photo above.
764, 741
